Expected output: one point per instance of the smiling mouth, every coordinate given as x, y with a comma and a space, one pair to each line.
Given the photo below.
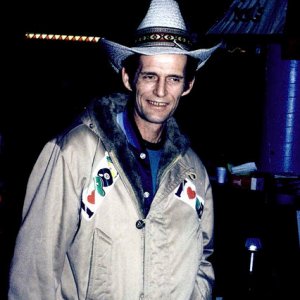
159, 104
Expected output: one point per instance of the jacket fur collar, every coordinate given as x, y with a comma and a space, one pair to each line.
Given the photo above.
103, 111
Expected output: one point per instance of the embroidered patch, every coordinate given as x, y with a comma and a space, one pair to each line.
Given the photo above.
186, 192
104, 178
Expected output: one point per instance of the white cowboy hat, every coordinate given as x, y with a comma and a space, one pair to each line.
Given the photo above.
162, 31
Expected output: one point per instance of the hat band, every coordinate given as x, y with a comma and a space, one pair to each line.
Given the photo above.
162, 37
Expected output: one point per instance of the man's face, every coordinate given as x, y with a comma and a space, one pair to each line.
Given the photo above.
159, 85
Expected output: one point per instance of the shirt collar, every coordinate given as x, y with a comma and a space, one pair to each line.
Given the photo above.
125, 120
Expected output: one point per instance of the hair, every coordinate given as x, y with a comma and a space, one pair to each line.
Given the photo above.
131, 65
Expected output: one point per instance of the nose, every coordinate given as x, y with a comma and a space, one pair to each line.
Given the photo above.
160, 88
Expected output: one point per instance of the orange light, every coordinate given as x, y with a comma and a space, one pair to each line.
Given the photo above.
62, 37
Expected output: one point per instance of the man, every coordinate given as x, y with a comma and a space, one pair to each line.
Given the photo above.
119, 206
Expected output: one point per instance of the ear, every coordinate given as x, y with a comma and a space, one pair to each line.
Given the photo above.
189, 87
125, 79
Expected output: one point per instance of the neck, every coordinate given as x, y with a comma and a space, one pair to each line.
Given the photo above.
150, 132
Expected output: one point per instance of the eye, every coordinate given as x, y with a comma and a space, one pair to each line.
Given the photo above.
148, 77
174, 79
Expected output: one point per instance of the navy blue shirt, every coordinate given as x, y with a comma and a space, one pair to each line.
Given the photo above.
147, 157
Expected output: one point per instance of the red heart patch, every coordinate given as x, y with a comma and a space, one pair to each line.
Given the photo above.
191, 193
91, 197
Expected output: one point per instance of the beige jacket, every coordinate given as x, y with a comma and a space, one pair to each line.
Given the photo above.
83, 234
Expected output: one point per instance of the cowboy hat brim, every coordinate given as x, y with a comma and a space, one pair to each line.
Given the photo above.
117, 53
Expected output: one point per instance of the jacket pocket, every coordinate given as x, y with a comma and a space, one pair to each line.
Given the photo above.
100, 271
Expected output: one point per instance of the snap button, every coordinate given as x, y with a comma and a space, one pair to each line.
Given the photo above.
143, 155
146, 194
140, 224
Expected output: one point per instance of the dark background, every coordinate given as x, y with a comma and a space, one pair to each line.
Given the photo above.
45, 84
48, 82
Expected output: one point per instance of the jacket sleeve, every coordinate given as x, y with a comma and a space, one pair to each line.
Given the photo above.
205, 278
49, 221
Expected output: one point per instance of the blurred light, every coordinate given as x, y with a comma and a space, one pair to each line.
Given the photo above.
62, 37
253, 244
